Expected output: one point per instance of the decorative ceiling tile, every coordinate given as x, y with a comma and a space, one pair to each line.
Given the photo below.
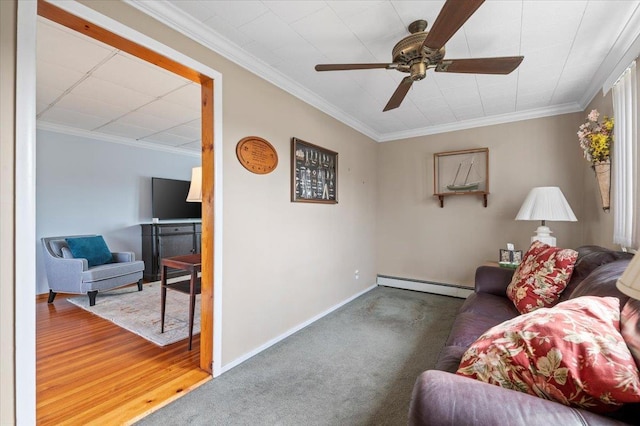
70, 118
45, 95
238, 12
92, 106
57, 77
112, 92
68, 49
169, 111
148, 121
187, 96
140, 76
165, 138
185, 131
125, 130
290, 11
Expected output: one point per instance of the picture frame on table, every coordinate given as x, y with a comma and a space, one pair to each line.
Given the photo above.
314, 173
510, 256
517, 256
505, 256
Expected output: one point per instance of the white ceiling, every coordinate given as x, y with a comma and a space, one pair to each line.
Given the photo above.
89, 88
570, 49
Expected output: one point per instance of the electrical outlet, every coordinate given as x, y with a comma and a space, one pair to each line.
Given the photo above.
356, 274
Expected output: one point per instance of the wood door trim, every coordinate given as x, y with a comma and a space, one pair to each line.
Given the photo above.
208, 187
66, 19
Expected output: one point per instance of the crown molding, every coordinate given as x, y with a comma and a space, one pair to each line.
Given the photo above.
72, 131
176, 19
185, 24
485, 121
623, 52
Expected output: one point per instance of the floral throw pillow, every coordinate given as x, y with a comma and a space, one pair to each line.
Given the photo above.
541, 276
572, 353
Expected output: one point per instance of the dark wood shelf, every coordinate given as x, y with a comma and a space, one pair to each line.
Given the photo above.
483, 194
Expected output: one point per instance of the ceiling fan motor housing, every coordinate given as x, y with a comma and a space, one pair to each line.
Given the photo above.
410, 53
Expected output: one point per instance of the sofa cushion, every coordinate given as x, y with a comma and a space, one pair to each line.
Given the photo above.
93, 248
66, 253
449, 358
468, 326
111, 270
541, 277
602, 282
572, 353
57, 247
490, 306
590, 258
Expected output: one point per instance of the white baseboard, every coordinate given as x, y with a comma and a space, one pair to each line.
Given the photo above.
425, 286
289, 332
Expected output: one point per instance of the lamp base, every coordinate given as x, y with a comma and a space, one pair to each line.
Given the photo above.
543, 234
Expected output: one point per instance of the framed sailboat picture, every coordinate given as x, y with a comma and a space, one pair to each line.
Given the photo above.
461, 172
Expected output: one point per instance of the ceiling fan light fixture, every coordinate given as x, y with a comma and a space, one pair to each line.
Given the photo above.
418, 71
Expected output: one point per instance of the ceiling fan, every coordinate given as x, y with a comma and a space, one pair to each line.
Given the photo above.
421, 50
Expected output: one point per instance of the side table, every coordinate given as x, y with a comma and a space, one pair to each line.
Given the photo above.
191, 263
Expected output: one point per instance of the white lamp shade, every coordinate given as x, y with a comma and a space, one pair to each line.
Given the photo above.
629, 282
195, 189
546, 203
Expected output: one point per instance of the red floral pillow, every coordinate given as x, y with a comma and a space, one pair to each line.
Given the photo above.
572, 353
541, 276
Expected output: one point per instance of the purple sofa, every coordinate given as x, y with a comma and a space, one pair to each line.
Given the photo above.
442, 398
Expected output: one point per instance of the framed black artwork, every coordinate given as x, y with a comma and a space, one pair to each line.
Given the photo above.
314, 173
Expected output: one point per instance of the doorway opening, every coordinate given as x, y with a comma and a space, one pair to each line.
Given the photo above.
205, 77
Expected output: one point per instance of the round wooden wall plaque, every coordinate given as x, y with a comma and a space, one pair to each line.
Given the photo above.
257, 155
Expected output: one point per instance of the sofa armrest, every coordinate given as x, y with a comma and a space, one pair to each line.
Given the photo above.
65, 275
441, 398
493, 280
123, 256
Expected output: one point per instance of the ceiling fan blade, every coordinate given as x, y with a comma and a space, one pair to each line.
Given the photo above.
503, 65
453, 15
343, 67
399, 94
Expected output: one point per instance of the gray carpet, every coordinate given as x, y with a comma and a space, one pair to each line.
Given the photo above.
356, 366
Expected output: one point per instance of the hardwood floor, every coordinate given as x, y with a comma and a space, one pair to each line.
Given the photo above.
90, 371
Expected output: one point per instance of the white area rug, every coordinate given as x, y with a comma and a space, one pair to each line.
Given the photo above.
139, 312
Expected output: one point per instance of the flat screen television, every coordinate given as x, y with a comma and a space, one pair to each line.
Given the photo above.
169, 200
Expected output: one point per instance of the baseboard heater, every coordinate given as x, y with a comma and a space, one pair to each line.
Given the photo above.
425, 286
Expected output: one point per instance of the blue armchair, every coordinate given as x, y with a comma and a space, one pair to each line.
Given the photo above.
67, 274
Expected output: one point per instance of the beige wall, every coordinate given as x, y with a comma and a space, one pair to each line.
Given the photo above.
7, 143
417, 239
284, 262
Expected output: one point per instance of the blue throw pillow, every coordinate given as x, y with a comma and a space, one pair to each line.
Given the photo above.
94, 249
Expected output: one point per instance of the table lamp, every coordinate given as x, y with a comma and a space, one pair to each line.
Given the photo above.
546, 203
629, 282
195, 189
